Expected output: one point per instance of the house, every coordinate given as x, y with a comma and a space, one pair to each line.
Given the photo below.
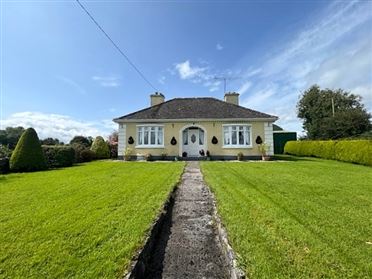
189, 127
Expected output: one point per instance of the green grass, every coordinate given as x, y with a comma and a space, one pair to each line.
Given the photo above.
84, 222
309, 218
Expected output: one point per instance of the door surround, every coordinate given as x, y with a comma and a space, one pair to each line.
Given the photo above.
180, 137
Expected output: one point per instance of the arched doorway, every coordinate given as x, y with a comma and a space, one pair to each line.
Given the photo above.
193, 141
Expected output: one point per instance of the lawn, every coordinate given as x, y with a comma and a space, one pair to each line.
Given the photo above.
85, 221
309, 218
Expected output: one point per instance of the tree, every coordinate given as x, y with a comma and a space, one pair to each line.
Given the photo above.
10, 136
51, 141
332, 114
28, 155
100, 148
87, 142
113, 144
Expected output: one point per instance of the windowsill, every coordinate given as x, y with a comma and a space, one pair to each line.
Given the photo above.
149, 146
237, 146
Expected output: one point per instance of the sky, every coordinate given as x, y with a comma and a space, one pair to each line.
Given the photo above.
60, 74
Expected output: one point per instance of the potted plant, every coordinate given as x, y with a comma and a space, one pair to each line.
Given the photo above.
240, 156
148, 157
208, 154
264, 148
127, 154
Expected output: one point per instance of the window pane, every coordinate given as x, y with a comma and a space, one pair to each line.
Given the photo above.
146, 136
226, 137
241, 137
185, 137
233, 135
140, 133
160, 136
247, 136
201, 137
152, 135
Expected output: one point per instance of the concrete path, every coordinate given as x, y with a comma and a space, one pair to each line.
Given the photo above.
189, 247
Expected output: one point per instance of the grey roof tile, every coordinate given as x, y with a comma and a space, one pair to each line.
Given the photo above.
194, 108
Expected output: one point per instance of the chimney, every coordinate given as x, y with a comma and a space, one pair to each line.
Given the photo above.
156, 98
232, 98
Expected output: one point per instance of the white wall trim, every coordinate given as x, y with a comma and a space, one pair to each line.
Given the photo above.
269, 139
122, 144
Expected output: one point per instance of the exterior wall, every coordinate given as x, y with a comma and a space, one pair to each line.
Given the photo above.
211, 128
269, 138
122, 141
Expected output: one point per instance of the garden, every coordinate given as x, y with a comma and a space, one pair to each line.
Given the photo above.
87, 221
296, 218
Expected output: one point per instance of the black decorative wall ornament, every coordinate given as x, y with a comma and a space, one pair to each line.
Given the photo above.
130, 140
258, 140
214, 140
173, 141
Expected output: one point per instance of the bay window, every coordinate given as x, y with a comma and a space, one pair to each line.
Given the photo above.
150, 136
237, 135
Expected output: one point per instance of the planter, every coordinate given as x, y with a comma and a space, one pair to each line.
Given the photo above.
265, 158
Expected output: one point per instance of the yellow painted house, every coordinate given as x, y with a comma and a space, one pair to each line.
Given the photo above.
191, 128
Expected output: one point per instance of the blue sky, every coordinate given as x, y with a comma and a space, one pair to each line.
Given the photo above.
61, 75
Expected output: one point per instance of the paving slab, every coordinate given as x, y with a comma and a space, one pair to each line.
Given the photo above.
189, 246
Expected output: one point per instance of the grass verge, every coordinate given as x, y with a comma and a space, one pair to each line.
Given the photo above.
308, 218
85, 221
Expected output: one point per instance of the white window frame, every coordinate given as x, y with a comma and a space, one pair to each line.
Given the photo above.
245, 126
149, 145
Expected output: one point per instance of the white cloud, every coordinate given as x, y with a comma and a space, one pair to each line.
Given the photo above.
219, 47
334, 51
107, 81
244, 88
72, 84
162, 79
59, 126
186, 71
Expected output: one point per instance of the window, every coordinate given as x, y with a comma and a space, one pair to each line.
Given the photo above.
150, 136
237, 135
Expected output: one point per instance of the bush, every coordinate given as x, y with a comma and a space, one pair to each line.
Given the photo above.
354, 151
28, 155
82, 153
4, 165
100, 148
58, 156
87, 155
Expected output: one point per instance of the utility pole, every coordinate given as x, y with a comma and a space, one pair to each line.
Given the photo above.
333, 107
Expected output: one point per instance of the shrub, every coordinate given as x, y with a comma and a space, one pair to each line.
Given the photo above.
354, 151
113, 150
240, 156
100, 148
28, 156
58, 156
87, 155
82, 153
4, 165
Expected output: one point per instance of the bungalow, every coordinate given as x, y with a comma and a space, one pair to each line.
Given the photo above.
189, 127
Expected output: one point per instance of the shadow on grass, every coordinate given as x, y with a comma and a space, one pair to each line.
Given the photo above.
293, 158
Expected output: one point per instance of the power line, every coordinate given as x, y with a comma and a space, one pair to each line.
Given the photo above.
116, 46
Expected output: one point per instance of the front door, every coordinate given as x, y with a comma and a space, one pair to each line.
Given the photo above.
193, 141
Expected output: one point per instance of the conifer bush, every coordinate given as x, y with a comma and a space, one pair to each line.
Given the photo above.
28, 155
100, 148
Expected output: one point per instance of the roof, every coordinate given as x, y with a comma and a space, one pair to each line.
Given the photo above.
195, 108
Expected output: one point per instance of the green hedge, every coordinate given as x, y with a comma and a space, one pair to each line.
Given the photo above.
58, 156
354, 151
